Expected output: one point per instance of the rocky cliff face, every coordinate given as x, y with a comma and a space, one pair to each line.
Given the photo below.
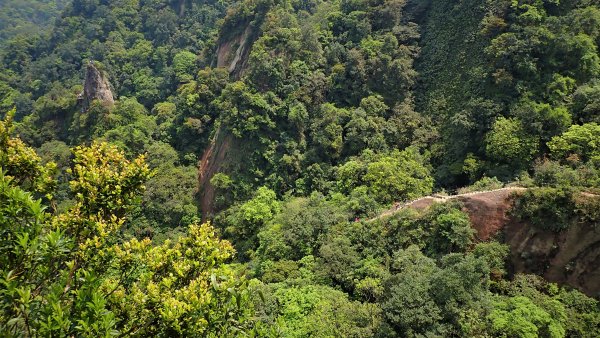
570, 257
232, 54
95, 87
211, 163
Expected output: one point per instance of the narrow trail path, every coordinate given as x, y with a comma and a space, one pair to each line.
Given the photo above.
440, 199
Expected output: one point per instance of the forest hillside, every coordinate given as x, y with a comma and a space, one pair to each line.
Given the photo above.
300, 168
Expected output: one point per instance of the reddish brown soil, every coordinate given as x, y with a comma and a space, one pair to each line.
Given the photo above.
212, 162
487, 211
232, 54
422, 203
571, 257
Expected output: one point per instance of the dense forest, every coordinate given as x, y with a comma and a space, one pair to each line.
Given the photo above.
288, 168
27, 17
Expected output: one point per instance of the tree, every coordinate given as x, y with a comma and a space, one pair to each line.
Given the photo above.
542, 119
59, 153
184, 66
340, 259
327, 130
495, 255
398, 176
21, 164
410, 308
67, 274
301, 229
246, 220
586, 103
508, 142
582, 141
366, 126
168, 202
450, 231
520, 317
388, 177
548, 208
245, 112
318, 311
161, 155
460, 284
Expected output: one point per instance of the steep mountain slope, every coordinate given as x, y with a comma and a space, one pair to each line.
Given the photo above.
526, 61
314, 84
27, 17
141, 52
298, 90
286, 124
569, 257
455, 80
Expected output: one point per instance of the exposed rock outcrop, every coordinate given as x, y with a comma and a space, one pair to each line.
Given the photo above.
95, 87
211, 163
570, 257
181, 7
235, 62
232, 54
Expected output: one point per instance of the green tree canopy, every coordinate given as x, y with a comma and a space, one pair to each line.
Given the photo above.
509, 142
582, 141
67, 274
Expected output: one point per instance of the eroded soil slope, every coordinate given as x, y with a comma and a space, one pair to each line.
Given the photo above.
569, 257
